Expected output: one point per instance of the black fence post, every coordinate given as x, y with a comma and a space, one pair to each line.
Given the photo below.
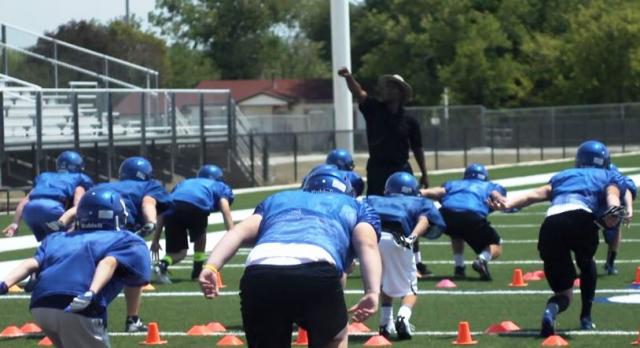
541, 135
110, 146
295, 157
34, 168
518, 143
5, 56
174, 135
76, 121
464, 145
436, 138
96, 164
563, 140
253, 159
203, 140
492, 143
623, 137
265, 158
143, 124
38, 131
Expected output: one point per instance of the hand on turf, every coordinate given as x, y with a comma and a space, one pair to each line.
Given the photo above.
4, 289
80, 302
628, 217
424, 181
365, 308
146, 229
10, 230
612, 216
155, 250
209, 283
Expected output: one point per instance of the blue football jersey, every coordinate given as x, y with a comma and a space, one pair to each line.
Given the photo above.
68, 263
133, 192
323, 219
585, 186
405, 211
59, 186
469, 195
203, 193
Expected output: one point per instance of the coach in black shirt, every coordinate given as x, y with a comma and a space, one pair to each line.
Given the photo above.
390, 133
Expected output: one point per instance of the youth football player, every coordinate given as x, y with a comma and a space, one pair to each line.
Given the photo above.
194, 199
81, 272
465, 210
303, 241
579, 196
404, 217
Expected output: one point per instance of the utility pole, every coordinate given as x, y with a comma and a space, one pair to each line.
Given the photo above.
126, 16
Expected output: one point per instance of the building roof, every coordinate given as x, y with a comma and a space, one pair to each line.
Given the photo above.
290, 90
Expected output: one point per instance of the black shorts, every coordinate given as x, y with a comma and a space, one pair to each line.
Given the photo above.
377, 176
561, 234
272, 298
474, 229
185, 217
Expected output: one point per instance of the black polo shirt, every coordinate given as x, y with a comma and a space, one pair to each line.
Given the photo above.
390, 135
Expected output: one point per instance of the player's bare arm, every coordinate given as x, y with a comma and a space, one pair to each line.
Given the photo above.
365, 244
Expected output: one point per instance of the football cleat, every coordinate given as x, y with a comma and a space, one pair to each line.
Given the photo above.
587, 324
611, 270
482, 267
423, 270
160, 274
459, 272
135, 324
387, 330
404, 328
548, 327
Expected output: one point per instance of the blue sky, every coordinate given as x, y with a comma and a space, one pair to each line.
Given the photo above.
46, 15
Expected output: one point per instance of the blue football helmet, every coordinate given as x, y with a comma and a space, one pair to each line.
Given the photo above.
401, 183
70, 161
357, 184
592, 153
340, 158
136, 168
476, 171
210, 171
327, 180
101, 208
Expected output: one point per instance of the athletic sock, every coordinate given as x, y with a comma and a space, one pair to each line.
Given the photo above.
417, 257
611, 258
557, 304
588, 281
485, 255
458, 259
386, 314
405, 311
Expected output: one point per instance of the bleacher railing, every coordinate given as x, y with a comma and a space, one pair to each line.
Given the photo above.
52, 63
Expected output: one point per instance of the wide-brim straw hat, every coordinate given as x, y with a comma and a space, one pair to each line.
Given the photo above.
407, 91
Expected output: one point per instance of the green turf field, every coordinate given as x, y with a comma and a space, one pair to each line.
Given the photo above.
178, 306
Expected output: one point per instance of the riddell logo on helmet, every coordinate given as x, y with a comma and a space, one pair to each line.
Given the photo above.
90, 225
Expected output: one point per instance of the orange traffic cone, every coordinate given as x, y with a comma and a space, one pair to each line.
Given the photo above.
219, 280
505, 326
11, 331
554, 341
30, 328
148, 287
637, 341
358, 327
377, 341
15, 289
637, 281
517, 281
464, 334
153, 336
215, 326
45, 342
199, 330
230, 340
303, 338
